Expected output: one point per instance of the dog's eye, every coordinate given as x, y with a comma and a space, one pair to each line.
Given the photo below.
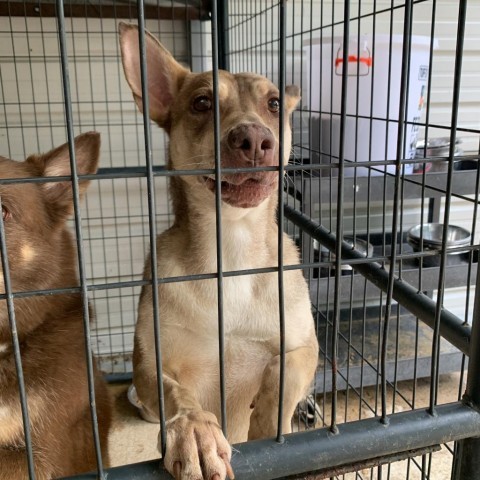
274, 105
202, 104
5, 213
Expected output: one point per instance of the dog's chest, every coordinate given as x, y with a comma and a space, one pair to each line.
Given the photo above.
249, 306
249, 298
249, 295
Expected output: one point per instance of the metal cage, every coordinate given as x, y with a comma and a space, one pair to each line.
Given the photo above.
386, 138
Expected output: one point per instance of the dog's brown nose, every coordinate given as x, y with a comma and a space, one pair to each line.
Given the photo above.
256, 142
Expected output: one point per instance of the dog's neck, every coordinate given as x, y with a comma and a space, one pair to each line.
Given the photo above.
249, 236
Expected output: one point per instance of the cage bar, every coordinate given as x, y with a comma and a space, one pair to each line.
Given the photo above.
152, 223
79, 235
467, 458
374, 314
269, 459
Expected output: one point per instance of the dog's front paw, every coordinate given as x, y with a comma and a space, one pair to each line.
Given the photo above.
197, 448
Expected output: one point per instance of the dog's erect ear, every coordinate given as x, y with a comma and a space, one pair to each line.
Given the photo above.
292, 97
165, 74
56, 163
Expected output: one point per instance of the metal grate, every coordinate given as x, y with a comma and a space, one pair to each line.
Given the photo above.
394, 317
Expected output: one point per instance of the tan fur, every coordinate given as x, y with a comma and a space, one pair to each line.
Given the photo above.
42, 255
188, 310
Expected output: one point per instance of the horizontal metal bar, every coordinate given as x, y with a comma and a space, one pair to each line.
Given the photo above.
363, 189
367, 464
136, 172
122, 377
251, 271
314, 450
452, 328
456, 275
462, 180
191, 11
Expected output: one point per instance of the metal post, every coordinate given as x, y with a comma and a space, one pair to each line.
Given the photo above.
222, 28
452, 328
467, 458
318, 450
151, 223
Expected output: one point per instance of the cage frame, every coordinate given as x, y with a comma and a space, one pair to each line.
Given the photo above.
322, 450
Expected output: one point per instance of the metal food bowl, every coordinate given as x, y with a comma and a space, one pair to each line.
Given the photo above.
436, 147
465, 164
361, 246
432, 236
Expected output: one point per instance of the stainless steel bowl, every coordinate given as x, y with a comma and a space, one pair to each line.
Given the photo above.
361, 246
436, 147
432, 235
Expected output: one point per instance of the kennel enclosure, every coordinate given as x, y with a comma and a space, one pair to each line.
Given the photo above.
379, 79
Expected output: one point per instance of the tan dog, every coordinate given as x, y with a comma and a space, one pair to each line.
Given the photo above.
42, 255
182, 103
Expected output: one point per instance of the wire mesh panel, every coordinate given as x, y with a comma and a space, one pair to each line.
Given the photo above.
380, 196
115, 232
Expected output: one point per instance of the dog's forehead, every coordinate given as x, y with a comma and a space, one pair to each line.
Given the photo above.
230, 85
254, 85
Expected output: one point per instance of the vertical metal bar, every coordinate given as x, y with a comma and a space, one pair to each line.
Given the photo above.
339, 219
248, 45
396, 195
128, 183
281, 171
218, 211
112, 182
17, 82
462, 16
220, 24
6, 126
34, 100
424, 178
78, 233
369, 192
151, 221
388, 108
16, 349
467, 458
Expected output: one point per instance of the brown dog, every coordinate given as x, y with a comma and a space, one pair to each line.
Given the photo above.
42, 255
181, 102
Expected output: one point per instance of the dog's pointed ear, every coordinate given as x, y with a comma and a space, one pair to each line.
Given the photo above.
292, 97
165, 74
56, 163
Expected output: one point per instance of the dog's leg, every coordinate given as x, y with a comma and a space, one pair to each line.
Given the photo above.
300, 368
196, 446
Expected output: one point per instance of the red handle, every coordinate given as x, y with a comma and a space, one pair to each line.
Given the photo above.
353, 58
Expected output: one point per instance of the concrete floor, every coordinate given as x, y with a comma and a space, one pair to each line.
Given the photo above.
134, 440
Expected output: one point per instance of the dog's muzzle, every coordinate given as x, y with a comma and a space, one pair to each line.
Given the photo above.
251, 144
